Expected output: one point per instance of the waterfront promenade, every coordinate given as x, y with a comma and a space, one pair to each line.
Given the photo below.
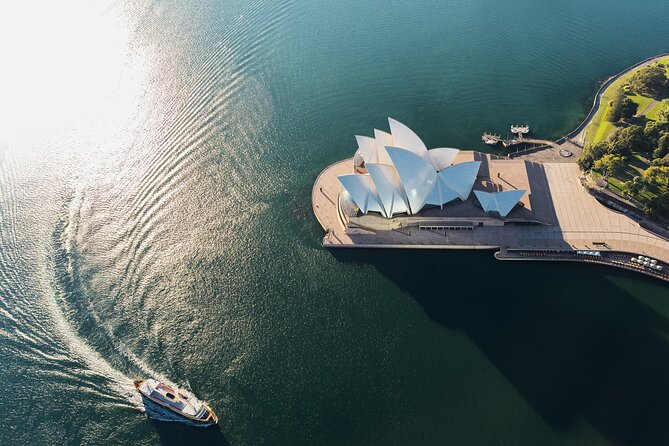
573, 220
579, 223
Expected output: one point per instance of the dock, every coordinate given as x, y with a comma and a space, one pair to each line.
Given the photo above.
519, 130
491, 139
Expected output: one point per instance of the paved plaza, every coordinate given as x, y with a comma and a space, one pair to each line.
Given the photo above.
572, 219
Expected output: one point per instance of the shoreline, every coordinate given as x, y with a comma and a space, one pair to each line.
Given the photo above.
582, 224
577, 136
580, 130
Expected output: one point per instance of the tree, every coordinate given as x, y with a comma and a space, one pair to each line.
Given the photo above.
654, 131
664, 161
659, 206
592, 153
649, 80
634, 186
609, 164
629, 108
615, 112
625, 141
662, 146
656, 175
663, 115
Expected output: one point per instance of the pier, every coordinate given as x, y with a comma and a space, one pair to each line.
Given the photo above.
491, 139
519, 130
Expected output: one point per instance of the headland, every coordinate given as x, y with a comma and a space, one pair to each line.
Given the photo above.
557, 219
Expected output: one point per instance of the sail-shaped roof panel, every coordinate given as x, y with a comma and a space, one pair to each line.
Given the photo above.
362, 191
405, 138
442, 157
389, 187
507, 200
417, 176
461, 177
367, 148
441, 193
383, 140
499, 202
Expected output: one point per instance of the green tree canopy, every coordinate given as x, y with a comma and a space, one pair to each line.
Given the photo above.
649, 80
660, 205
627, 140
663, 115
662, 146
657, 174
616, 106
634, 186
654, 130
629, 108
592, 153
664, 161
609, 164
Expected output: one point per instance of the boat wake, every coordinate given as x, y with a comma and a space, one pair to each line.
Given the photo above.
71, 310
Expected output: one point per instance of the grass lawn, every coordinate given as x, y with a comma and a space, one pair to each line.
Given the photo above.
635, 166
599, 129
643, 101
653, 113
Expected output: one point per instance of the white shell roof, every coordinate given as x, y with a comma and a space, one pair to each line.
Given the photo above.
500, 202
442, 157
454, 182
389, 187
362, 191
405, 138
417, 175
402, 173
372, 150
367, 148
383, 140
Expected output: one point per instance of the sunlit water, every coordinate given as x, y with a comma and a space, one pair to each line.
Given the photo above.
156, 163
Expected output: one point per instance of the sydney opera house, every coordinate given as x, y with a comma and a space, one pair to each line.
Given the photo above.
533, 205
395, 179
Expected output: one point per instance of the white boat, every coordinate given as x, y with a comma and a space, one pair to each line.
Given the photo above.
176, 400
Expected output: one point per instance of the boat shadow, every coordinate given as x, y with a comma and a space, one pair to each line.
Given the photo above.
171, 433
576, 347
173, 430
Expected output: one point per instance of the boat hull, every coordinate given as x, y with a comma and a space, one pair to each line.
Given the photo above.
211, 420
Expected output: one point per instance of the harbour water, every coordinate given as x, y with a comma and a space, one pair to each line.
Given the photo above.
156, 164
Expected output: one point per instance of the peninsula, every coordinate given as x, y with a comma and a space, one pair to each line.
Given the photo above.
530, 205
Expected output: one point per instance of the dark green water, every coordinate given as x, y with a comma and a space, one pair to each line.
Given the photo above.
156, 164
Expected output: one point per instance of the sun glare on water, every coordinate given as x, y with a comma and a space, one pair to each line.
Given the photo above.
68, 75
